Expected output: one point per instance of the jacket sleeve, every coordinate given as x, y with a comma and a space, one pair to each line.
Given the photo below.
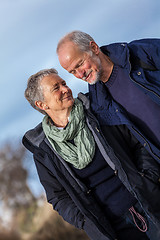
145, 163
58, 197
148, 50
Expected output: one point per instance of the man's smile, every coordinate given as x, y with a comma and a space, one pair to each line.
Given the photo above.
88, 76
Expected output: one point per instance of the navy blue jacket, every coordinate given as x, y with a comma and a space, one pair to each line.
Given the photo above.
142, 59
70, 196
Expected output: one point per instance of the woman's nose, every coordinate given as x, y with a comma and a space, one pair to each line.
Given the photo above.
64, 88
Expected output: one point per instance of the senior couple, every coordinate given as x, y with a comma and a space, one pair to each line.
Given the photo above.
98, 155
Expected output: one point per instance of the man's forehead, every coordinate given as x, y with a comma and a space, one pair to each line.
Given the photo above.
67, 45
69, 54
68, 50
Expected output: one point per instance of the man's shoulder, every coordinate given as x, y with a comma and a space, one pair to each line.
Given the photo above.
145, 41
117, 52
118, 47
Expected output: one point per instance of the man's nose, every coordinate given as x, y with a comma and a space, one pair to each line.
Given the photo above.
80, 73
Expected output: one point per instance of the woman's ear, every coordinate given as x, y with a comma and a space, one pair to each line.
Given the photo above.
41, 105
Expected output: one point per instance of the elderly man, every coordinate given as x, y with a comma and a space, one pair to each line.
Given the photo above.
105, 183
124, 82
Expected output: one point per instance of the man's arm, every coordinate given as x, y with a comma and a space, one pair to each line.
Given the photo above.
144, 162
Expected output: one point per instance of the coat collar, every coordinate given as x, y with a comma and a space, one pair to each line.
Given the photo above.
118, 53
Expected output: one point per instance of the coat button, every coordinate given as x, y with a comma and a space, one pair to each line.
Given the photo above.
138, 73
117, 110
144, 144
88, 192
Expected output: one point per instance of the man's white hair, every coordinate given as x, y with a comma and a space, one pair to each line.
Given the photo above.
81, 39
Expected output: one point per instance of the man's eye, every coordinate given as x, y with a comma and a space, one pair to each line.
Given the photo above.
56, 88
81, 64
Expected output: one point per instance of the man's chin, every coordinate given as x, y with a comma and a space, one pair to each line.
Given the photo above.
97, 77
93, 82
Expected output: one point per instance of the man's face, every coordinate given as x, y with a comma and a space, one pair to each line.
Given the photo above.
83, 65
57, 95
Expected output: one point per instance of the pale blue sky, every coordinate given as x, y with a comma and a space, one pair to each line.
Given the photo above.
30, 30
29, 33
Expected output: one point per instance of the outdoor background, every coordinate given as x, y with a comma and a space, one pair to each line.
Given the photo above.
29, 33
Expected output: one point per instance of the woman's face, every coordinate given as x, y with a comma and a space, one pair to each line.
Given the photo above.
57, 95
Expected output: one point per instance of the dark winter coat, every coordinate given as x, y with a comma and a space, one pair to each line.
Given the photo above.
142, 59
72, 199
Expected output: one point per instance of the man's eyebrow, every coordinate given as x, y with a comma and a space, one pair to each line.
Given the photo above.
77, 65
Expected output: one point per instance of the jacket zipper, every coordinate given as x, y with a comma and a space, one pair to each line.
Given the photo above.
130, 187
154, 94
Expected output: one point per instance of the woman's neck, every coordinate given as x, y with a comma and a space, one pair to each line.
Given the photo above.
61, 119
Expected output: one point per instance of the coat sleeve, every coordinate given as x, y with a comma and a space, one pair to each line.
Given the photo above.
143, 160
148, 50
58, 196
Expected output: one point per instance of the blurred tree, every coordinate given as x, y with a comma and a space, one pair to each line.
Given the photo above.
22, 215
14, 191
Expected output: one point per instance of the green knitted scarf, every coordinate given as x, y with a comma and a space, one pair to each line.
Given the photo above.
81, 152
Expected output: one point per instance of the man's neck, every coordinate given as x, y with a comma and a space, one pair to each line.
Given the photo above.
107, 67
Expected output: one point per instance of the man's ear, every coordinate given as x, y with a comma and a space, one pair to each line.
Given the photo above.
94, 47
41, 105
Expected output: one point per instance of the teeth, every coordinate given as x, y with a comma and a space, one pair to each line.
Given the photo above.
89, 73
84, 78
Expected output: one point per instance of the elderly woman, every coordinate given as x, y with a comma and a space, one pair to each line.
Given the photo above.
88, 177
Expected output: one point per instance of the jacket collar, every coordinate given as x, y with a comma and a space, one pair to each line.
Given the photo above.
118, 53
35, 136
85, 100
